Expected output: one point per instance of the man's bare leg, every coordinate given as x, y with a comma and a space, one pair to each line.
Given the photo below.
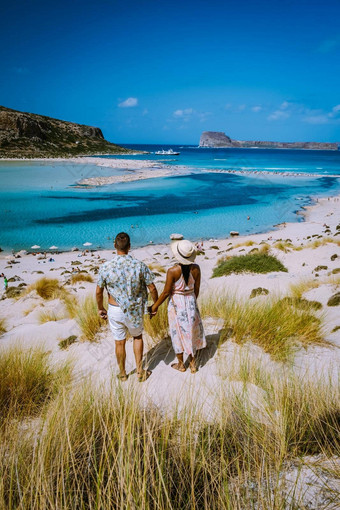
121, 357
138, 352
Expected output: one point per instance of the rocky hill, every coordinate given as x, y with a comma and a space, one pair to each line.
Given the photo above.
216, 139
27, 135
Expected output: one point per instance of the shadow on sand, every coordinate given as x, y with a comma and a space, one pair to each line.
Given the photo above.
163, 351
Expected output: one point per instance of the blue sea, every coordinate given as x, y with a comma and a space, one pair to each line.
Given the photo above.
40, 205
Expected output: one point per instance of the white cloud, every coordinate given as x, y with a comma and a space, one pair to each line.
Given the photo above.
129, 102
316, 119
279, 115
256, 109
335, 111
183, 113
242, 107
284, 105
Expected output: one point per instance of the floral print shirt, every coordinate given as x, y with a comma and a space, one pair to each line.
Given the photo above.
125, 279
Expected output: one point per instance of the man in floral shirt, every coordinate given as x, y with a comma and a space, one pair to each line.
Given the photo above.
126, 280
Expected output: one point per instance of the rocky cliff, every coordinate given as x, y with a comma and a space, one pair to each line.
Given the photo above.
216, 139
29, 135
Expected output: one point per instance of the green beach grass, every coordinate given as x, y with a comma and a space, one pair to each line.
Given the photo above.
251, 263
99, 448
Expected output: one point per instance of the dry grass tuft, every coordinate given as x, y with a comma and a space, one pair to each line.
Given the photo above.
47, 288
101, 449
273, 324
81, 277
299, 288
155, 266
2, 326
158, 327
87, 318
50, 316
27, 381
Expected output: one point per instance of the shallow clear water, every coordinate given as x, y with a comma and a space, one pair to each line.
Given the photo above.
38, 204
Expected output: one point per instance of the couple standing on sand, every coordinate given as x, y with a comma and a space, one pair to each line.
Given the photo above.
127, 281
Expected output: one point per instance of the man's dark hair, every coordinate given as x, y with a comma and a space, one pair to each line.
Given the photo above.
122, 241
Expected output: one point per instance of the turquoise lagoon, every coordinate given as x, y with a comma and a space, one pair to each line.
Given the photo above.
40, 205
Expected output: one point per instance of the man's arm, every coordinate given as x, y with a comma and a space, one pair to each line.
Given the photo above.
153, 291
100, 297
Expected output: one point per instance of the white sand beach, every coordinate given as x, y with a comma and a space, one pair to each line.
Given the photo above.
165, 386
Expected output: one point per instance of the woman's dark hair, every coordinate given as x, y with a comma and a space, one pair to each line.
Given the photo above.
122, 241
186, 272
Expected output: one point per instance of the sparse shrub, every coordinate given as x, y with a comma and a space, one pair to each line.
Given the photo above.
251, 263
333, 257
14, 292
334, 330
320, 268
334, 300
336, 270
81, 277
259, 291
214, 247
66, 342
304, 304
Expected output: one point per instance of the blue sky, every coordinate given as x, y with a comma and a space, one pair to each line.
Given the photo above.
162, 72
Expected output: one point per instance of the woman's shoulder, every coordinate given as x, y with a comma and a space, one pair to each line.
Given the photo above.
195, 268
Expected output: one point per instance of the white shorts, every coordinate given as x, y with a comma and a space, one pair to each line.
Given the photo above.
120, 325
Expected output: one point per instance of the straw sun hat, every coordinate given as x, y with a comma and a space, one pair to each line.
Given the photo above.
184, 251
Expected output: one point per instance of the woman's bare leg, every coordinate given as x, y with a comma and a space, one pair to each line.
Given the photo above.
180, 365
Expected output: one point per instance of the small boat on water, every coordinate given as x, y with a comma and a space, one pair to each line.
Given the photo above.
169, 152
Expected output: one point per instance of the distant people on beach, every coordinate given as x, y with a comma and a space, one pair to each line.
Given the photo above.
5, 283
127, 281
182, 288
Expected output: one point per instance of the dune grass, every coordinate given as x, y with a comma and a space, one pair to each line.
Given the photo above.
284, 246
47, 288
100, 449
50, 316
245, 243
81, 277
2, 326
155, 266
158, 326
251, 263
321, 242
27, 381
305, 284
278, 326
87, 318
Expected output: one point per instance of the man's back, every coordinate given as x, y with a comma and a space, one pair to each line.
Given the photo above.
125, 279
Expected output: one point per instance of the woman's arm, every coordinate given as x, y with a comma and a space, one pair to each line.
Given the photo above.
170, 280
197, 277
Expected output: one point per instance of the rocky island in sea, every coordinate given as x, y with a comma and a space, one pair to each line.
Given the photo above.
216, 139
27, 135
